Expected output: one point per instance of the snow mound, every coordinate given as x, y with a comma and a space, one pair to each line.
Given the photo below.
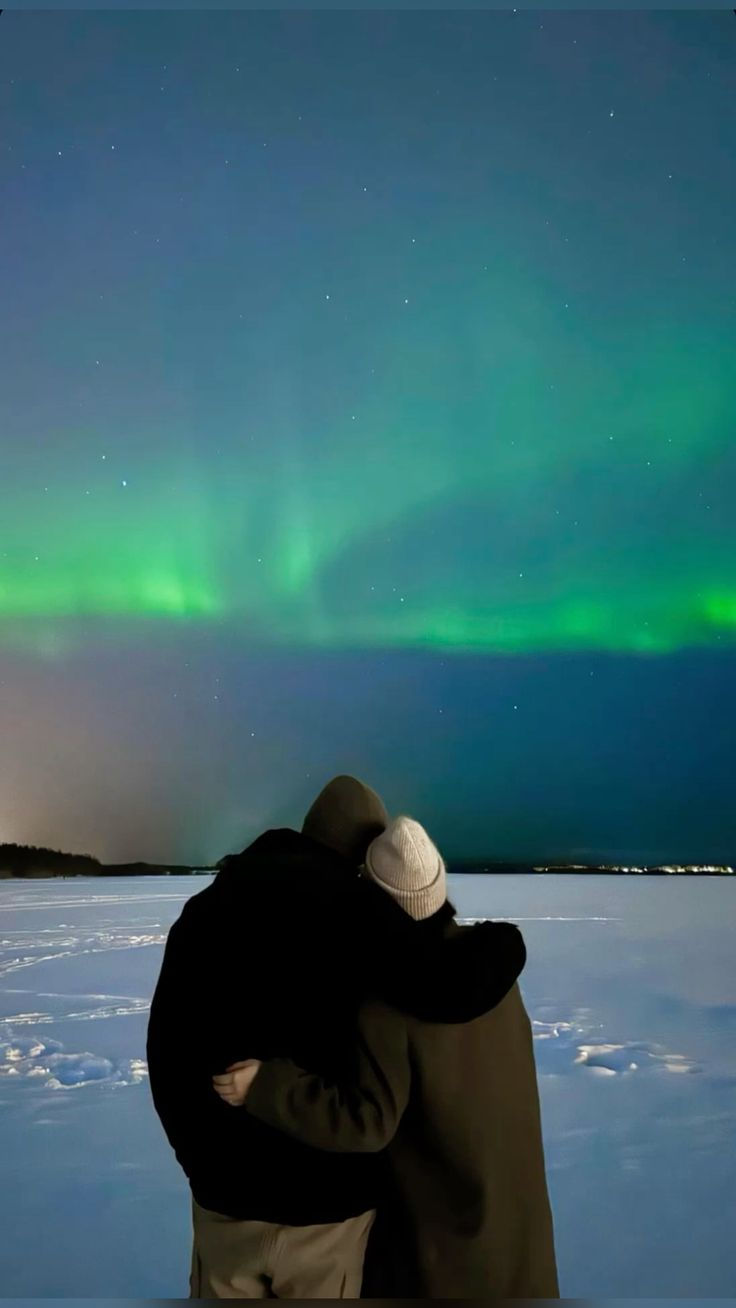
633, 1056
576, 1042
46, 1061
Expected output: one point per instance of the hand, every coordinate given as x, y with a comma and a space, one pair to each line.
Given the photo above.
233, 1085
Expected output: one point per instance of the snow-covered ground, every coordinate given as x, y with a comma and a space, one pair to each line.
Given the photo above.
631, 984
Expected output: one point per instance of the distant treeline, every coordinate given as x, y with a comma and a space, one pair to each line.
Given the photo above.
32, 861
29, 861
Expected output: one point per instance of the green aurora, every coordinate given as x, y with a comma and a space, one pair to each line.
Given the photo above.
519, 521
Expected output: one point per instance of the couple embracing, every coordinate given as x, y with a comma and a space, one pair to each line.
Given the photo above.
346, 1075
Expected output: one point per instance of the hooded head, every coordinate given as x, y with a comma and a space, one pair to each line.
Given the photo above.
346, 816
404, 862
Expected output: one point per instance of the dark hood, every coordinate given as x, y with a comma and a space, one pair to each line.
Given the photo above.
346, 816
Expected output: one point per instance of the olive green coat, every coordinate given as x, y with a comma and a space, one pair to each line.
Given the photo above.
458, 1108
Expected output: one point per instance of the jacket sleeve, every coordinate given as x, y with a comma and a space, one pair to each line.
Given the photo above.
340, 1117
424, 973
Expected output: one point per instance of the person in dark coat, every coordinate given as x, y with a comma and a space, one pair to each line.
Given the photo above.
455, 1106
275, 957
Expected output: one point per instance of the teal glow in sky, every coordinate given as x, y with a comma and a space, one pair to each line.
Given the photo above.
347, 339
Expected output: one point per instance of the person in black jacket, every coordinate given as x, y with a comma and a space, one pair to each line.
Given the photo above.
276, 956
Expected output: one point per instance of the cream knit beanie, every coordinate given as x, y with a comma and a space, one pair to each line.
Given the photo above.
404, 862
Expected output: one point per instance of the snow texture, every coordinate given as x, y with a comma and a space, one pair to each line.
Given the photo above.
631, 987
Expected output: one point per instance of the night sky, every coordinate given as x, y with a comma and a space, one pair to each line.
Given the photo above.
367, 404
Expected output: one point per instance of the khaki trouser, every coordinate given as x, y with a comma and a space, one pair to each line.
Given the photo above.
258, 1260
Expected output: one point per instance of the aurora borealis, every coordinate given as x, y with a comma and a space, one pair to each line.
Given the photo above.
368, 404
